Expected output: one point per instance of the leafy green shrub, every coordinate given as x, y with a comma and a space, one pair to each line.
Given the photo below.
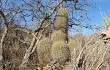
58, 36
43, 50
60, 51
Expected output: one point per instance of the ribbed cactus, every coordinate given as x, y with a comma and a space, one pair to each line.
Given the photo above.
43, 50
62, 12
58, 36
61, 22
60, 51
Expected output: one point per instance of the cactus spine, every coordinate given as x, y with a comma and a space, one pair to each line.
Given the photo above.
58, 36
61, 22
43, 50
59, 51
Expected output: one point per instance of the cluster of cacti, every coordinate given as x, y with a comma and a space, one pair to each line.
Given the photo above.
43, 50
58, 36
60, 51
61, 22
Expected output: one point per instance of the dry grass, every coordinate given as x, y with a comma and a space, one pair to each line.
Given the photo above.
94, 54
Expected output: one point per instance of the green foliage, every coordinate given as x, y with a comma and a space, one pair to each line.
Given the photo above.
58, 36
60, 51
43, 50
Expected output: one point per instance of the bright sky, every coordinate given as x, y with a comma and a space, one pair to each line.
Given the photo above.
102, 6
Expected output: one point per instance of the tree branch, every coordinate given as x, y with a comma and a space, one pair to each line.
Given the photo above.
3, 36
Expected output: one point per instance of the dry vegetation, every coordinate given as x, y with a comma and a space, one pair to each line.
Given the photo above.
91, 55
49, 47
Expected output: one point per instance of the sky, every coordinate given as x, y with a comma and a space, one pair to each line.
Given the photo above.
102, 7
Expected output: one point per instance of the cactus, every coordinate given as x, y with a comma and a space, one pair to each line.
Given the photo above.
58, 36
43, 50
62, 12
60, 51
61, 22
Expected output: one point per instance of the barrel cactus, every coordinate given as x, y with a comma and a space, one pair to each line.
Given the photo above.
60, 51
61, 22
58, 36
62, 12
43, 50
